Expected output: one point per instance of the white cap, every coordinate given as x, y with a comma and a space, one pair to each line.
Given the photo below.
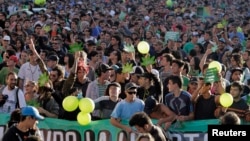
146, 18
66, 28
6, 37
112, 13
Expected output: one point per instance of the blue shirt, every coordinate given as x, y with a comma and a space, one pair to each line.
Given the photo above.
180, 105
124, 110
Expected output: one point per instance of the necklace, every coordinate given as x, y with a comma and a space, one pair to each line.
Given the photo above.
32, 71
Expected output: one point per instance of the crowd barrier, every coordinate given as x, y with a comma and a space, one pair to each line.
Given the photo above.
102, 130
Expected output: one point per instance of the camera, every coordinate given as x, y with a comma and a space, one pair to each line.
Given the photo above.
3, 99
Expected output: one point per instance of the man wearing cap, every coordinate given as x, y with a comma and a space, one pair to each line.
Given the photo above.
59, 49
5, 42
150, 85
107, 103
192, 85
52, 62
97, 87
11, 66
135, 74
28, 121
127, 107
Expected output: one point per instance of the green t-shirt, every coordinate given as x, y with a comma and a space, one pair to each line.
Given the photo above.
4, 72
185, 81
188, 47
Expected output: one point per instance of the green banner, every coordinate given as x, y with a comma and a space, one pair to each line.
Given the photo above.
63, 130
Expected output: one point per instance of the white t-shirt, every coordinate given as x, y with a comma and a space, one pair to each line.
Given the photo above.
10, 104
28, 72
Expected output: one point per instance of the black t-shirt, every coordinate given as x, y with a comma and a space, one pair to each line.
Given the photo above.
13, 134
204, 108
241, 105
157, 133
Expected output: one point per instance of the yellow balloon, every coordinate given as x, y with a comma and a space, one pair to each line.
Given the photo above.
220, 25
143, 47
70, 103
226, 100
83, 118
86, 105
215, 64
40, 2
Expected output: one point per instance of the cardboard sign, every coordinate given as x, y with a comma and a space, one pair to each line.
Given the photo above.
171, 35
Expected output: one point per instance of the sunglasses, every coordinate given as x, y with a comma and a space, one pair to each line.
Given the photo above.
53, 75
132, 93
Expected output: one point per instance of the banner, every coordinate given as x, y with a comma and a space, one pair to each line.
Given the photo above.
63, 130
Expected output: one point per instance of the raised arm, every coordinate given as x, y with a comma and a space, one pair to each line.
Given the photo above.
39, 60
69, 82
204, 59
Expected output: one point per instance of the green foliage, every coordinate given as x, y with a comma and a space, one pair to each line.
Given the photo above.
43, 79
129, 48
148, 60
75, 47
127, 68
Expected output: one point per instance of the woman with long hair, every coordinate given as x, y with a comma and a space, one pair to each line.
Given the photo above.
68, 61
19, 46
48, 106
30, 94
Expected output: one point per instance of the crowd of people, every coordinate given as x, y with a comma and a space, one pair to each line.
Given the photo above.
89, 49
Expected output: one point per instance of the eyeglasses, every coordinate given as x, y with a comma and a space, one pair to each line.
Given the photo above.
132, 93
27, 86
55, 43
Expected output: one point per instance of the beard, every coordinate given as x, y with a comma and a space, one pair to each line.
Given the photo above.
12, 86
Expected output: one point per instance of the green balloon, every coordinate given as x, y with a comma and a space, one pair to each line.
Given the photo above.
226, 100
83, 118
86, 105
215, 64
70, 103
169, 3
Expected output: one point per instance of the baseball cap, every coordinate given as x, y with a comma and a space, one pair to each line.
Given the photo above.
146, 75
114, 84
236, 69
104, 67
193, 80
53, 58
222, 40
137, 70
195, 34
66, 28
150, 104
130, 86
31, 111
6, 37
13, 58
